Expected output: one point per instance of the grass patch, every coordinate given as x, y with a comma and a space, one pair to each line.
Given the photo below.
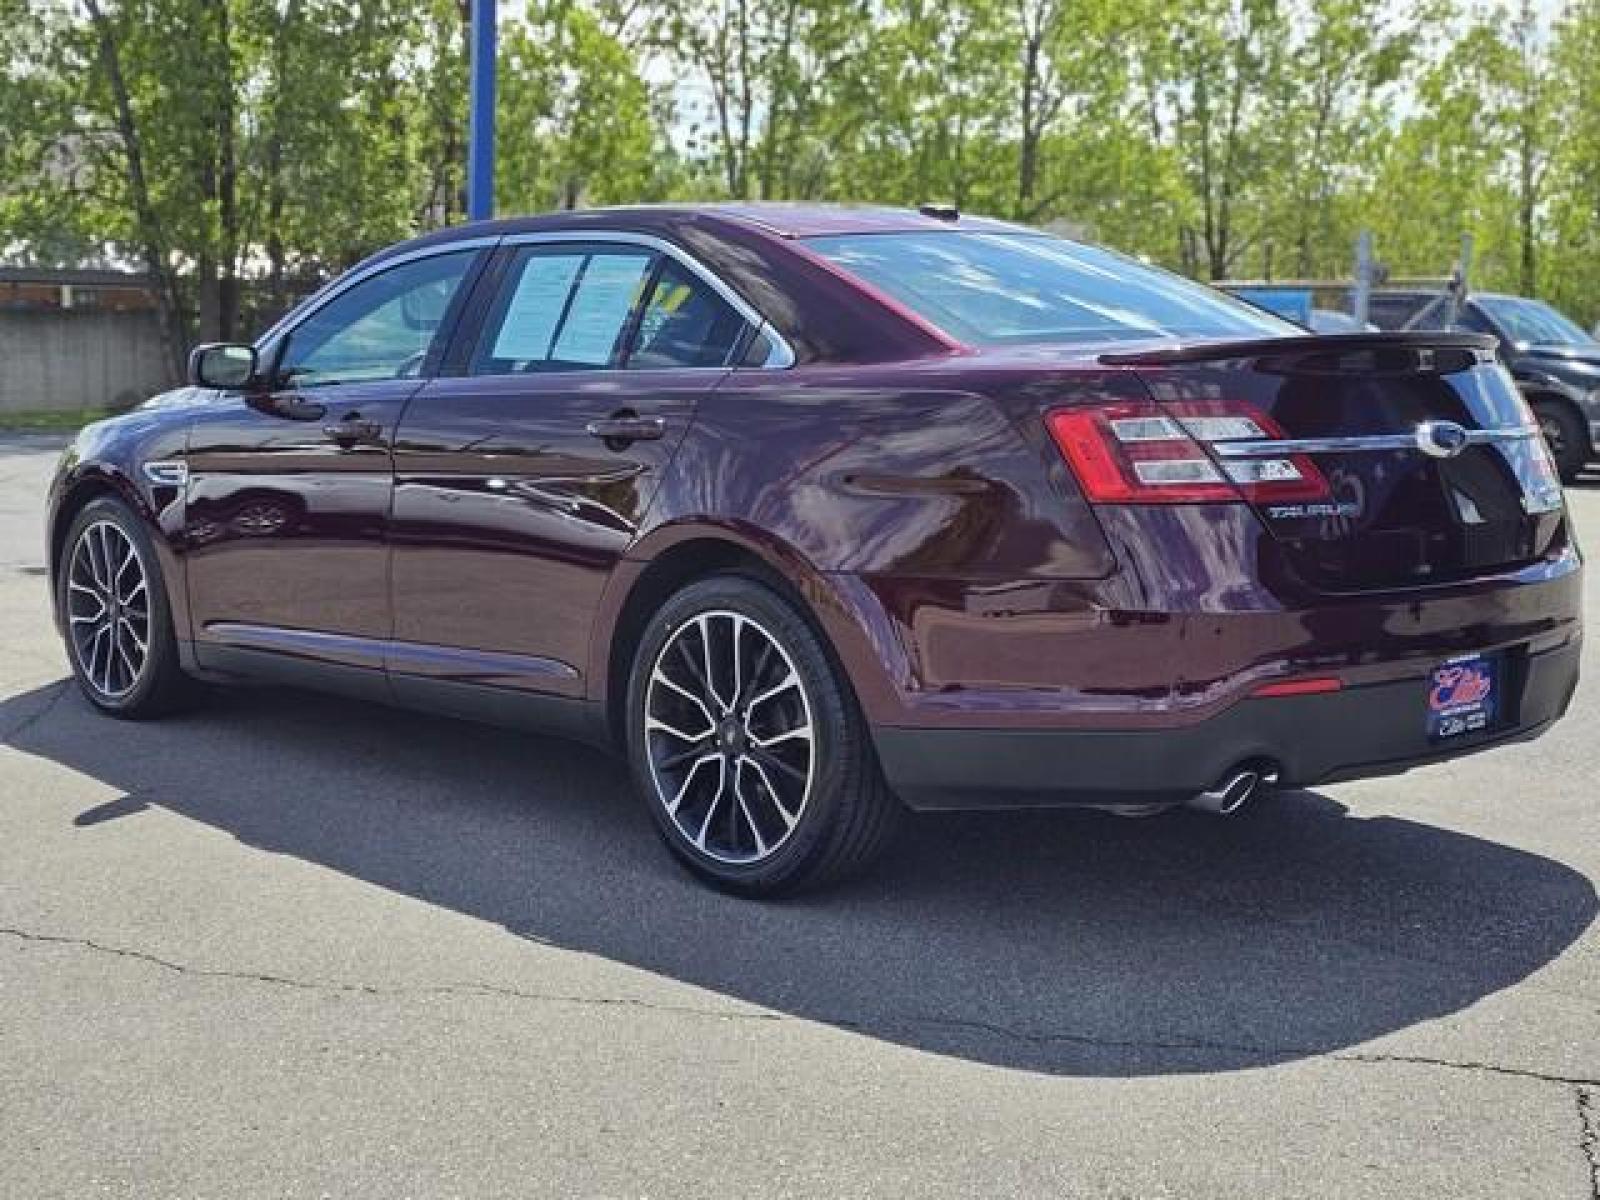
46, 421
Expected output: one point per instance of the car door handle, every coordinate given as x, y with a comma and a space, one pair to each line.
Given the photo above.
627, 427
353, 430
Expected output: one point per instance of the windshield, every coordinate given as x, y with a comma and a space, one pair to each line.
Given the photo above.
1010, 288
1534, 322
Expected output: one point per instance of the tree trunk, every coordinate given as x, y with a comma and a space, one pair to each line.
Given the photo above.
1530, 260
1528, 199
777, 102
227, 188
277, 254
1028, 161
152, 239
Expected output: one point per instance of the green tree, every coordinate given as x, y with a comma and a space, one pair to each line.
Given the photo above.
1571, 272
1346, 58
576, 123
1220, 67
922, 113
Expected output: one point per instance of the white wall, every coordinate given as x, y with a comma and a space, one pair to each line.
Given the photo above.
79, 359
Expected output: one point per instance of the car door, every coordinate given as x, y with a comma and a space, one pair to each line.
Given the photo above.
290, 485
522, 477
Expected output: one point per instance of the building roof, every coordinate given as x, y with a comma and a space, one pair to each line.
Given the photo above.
55, 276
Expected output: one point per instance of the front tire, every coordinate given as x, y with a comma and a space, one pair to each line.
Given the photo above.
748, 746
117, 623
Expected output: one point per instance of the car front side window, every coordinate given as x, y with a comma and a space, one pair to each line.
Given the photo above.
380, 328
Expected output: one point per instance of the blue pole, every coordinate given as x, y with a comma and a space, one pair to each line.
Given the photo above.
480, 151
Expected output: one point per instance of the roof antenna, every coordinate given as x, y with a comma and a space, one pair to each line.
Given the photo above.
940, 212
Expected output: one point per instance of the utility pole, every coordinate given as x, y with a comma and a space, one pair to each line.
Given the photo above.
1365, 271
480, 149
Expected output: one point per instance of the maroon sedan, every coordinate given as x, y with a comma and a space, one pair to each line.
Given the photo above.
812, 512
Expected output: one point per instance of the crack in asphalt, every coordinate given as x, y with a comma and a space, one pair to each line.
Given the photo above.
367, 989
1589, 1136
1261, 1050
1585, 1087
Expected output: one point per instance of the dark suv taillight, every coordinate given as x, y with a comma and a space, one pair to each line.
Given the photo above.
1131, 453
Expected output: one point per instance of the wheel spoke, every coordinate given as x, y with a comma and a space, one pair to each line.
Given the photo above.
738, 661
133, 634
125, 558
662, 677
790, 680
695, 668
788, 735
91, 562
101, 645
776, 797
131, 560
711, 808
744, 808
758, 670
104, 575
688, 778
122, 653
704, 623
656, 725
764, 760
673, 761
77, 589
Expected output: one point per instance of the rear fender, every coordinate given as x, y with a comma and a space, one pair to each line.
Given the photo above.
843, 610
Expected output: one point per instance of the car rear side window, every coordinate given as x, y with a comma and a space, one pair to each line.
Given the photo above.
684, 324
1000, 288
563, 309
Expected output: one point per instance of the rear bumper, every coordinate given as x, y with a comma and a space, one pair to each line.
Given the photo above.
1377, 729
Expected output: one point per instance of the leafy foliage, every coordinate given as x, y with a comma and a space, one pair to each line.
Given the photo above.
239, 150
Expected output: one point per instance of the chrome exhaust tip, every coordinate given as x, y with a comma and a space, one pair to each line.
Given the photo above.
1229, 795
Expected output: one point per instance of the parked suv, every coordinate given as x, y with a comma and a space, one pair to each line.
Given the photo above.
812, 512
1555, 363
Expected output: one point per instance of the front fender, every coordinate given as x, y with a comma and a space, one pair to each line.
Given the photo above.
108, 458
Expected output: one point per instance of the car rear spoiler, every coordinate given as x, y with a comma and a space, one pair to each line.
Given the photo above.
1311, 343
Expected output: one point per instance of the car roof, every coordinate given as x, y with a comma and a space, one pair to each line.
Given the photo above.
792, 220
772, 219
749, 247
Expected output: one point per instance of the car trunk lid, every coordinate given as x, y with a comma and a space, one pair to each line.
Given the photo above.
1430, 465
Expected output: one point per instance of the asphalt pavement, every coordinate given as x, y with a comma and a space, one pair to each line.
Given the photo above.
285, 945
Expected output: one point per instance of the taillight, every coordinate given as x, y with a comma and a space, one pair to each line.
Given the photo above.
1132, 453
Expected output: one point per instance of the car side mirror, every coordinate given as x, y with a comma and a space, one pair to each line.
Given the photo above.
228, 365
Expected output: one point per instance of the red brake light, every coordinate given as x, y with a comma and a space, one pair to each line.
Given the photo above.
1300, 687
1133, 453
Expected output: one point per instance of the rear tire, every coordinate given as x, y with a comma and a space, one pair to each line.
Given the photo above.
748, 745
118, 630
1565, 435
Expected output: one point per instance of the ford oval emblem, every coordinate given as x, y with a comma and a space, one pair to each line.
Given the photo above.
1441, 439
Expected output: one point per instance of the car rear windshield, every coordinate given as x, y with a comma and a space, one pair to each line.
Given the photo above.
1014, 288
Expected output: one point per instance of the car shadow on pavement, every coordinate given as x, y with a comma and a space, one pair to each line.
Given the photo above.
1069, 943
